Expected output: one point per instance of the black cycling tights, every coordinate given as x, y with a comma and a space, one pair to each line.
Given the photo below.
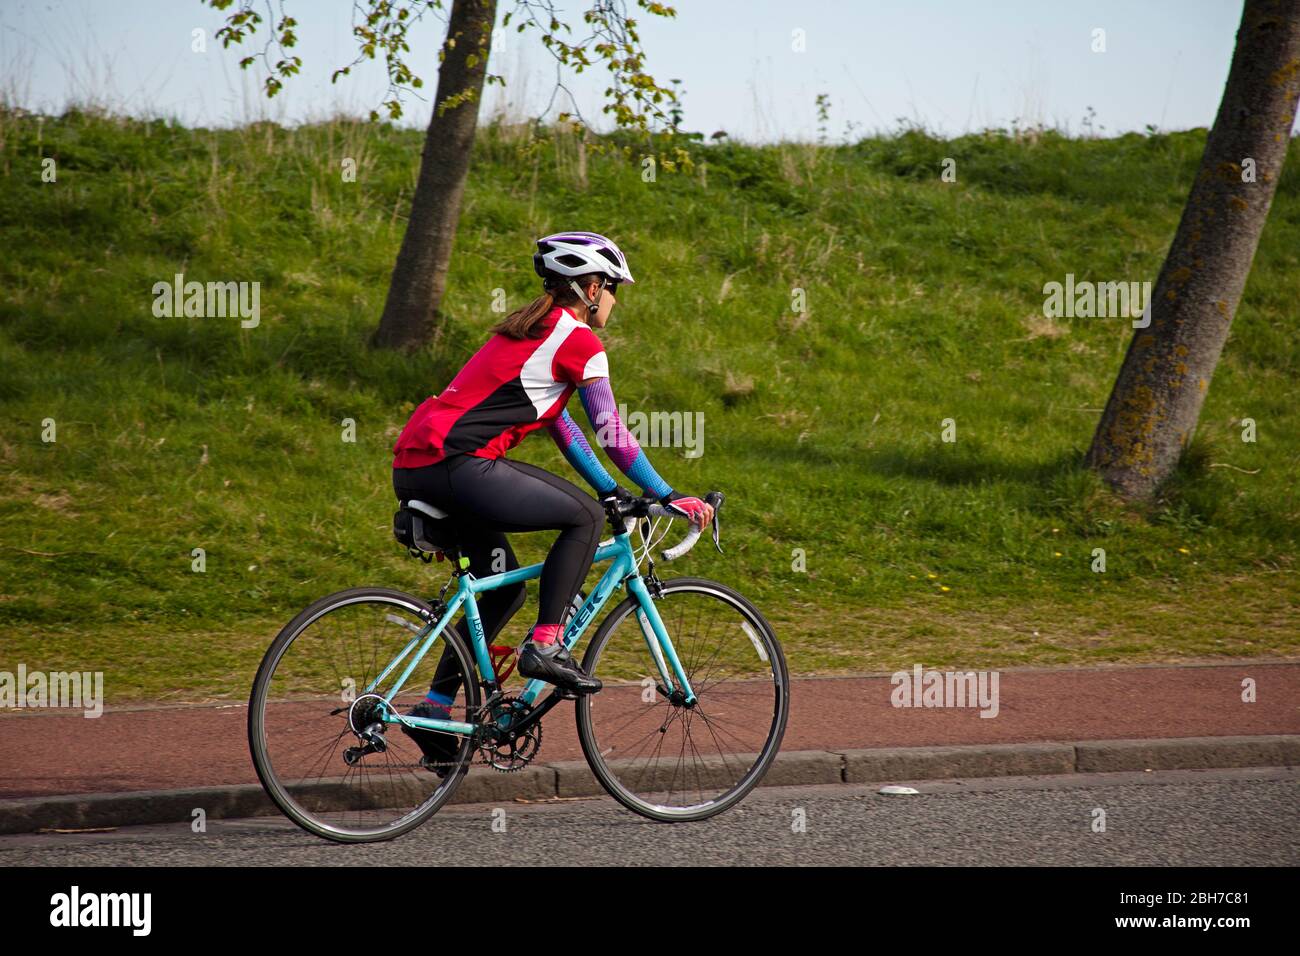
489, 496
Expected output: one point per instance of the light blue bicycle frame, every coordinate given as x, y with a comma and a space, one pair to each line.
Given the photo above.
623, 570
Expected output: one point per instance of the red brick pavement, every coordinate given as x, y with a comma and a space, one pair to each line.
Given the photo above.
168, 747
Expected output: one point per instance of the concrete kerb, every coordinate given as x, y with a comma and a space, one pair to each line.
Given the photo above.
1188, 753
795, 768
937, 763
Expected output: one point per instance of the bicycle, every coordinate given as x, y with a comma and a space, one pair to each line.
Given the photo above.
324, 755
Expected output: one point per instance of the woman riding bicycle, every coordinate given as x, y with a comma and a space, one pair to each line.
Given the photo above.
451, 454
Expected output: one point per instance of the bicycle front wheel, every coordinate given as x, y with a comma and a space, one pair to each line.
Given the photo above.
317, 738
671, 761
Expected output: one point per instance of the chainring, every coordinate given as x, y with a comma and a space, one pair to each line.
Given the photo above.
510, 755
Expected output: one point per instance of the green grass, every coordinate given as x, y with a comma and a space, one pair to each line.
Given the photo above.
925, 303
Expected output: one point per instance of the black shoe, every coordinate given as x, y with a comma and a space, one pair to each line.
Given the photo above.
439, 749
554, 664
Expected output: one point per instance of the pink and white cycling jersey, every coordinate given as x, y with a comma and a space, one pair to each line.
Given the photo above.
508, 388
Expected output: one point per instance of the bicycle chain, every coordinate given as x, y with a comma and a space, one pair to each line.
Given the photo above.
509, 756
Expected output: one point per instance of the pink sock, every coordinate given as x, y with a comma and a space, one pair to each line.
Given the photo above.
546, 633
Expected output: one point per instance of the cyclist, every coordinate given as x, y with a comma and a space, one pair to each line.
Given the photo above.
451, 454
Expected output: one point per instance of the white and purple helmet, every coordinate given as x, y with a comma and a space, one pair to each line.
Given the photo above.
570, 255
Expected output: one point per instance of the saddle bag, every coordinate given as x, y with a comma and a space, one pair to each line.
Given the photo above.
423, 529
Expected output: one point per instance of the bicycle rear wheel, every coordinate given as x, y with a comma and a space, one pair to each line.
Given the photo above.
672, 762
309, 702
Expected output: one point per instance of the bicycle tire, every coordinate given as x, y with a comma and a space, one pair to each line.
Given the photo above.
587, 736
262, 763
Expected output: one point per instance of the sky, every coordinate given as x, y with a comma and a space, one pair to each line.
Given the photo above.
753, 69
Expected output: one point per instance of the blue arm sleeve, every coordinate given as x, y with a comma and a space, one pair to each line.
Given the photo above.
618, 442
573, 444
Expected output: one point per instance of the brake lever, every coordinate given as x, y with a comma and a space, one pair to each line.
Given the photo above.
715, 498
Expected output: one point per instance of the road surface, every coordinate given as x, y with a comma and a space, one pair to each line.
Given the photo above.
1244, 817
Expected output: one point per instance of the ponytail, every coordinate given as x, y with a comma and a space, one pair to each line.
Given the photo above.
522, 323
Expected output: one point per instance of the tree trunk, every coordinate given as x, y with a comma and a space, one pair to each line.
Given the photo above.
411, 319
1157, 397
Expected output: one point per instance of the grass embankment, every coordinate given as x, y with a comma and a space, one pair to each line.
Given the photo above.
924, 303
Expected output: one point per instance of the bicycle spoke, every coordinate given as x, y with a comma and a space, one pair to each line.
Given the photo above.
305, 724
673, 760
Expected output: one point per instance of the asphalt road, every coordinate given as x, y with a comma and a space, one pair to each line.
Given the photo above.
1247, 817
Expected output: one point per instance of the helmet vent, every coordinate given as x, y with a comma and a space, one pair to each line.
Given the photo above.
570, 255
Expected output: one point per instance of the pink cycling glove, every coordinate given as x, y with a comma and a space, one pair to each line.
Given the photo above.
693, 508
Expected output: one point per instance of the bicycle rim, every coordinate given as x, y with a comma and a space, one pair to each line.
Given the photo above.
310, 695
671, 762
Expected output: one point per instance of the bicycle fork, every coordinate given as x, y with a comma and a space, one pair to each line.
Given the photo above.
660, 647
